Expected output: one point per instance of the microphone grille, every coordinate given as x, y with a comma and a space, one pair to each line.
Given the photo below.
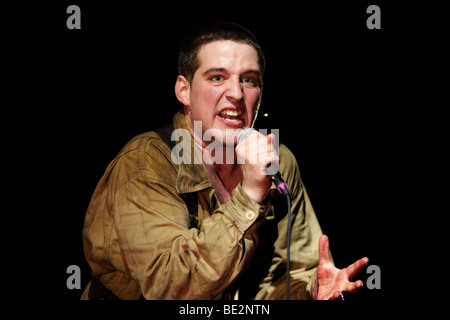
244, 133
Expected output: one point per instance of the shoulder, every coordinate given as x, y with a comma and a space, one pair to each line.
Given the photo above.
146, 142
289, 169
287, 158
146, 156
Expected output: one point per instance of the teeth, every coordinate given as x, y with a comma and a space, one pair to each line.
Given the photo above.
231, 120
233, 113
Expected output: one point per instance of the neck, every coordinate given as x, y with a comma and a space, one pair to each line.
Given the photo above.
224, 178
227, 169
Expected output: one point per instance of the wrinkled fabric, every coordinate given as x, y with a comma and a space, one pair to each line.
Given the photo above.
138, 240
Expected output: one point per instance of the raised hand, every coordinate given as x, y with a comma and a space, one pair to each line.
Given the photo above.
333, 281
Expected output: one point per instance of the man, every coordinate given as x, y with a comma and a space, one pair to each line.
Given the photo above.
160, 228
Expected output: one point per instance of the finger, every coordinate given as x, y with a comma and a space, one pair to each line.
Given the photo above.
268, 158
266, 143
324, 250
336, 295
267, 154
353, 269
271, 137
353, 287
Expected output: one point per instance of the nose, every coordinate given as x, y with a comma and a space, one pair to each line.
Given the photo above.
235, 90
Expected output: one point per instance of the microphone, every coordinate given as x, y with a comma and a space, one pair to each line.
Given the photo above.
276, 178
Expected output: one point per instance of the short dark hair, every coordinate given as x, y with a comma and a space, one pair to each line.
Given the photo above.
188, 62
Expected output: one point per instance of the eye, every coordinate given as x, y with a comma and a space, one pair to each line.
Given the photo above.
217, 78
249, 81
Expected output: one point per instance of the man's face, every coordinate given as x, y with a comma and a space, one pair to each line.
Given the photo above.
225, 89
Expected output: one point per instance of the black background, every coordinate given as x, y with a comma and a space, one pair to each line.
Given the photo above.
362, 110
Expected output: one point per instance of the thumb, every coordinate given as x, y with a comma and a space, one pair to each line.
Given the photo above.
324, 250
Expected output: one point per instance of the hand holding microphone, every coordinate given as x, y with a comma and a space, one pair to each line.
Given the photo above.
258, 156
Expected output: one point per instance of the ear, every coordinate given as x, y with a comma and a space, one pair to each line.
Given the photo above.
182, 90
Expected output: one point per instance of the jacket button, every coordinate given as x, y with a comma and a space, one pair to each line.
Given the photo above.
250, 215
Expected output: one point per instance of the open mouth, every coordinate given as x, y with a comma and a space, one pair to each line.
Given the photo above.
231, 115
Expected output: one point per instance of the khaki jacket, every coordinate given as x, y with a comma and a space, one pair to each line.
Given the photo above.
138, 240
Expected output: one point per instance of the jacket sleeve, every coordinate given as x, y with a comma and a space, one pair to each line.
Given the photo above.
305, 234
169, 260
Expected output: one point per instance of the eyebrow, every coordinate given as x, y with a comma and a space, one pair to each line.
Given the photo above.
213, 70
220, 70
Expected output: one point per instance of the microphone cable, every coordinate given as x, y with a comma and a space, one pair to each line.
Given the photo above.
288, 248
